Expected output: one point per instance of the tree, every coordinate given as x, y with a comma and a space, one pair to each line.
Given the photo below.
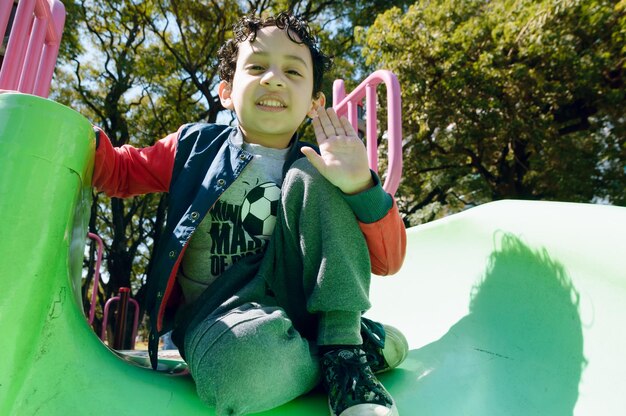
507, 99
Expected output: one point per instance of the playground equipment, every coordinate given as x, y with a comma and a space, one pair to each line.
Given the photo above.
347, 105
33, 46
123, 300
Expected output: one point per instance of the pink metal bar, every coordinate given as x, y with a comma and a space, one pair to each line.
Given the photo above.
42, 11
372, 123
339, 92
342, 106
33, 45
16, 48
353, 116
33, 55
50, 52
105, 319
5, 14
96, 276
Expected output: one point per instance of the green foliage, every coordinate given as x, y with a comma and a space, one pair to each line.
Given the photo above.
506, 99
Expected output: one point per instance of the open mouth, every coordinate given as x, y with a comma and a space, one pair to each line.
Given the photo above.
271, 104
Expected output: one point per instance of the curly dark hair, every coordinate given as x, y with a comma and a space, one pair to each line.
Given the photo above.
247, 28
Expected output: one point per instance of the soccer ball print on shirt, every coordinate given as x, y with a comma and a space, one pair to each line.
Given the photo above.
239, 224
259, 209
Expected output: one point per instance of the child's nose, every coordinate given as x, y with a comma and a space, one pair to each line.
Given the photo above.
272, 79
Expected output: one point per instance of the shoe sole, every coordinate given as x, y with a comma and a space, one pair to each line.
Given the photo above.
370, 410
396, 348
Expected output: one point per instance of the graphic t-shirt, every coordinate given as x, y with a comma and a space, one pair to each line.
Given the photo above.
239, 224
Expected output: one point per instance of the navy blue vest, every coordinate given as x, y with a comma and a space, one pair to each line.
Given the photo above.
209, 158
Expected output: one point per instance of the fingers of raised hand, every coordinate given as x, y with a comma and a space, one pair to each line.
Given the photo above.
320, 134
325, 121
327, 124
347, 127
336, 123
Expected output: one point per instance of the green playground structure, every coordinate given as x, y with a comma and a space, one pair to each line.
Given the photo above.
510, 308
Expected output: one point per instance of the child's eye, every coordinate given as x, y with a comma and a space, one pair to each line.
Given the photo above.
293, 72
255, 68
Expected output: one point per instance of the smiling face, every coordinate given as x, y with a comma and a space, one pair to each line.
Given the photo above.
272, 89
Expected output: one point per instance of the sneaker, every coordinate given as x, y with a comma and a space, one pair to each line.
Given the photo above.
353, 390
385, 345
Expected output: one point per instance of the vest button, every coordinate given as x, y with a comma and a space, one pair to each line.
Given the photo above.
242, 157
221, 182
172, 254
195, 215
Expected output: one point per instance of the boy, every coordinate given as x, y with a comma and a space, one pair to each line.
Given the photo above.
264, 287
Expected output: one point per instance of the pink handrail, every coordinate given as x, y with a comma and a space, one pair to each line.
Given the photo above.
105, 318
96, 276
94, 294
33, 46
348, 105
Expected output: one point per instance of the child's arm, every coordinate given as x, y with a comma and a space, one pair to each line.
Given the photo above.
386, 242
126, 171
382, 227
343, 161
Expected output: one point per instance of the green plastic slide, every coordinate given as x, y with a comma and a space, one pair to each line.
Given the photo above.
510, 308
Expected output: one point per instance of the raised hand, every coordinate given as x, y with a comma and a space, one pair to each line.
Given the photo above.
343, 158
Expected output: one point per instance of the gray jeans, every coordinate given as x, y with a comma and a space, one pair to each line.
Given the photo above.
258, 348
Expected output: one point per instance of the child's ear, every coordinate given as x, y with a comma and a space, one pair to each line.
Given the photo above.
224, 90
316, 103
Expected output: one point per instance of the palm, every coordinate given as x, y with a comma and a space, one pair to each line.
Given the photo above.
343, 158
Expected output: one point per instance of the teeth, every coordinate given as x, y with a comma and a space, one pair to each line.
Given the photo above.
271, 103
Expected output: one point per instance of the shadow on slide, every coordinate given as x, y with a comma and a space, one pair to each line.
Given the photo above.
519, 350
497, 326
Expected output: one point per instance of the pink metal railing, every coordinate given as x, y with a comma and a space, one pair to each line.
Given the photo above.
33, 45
123, 298
96, 275
348, 105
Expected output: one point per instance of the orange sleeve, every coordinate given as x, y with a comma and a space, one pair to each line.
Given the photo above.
386, 241
127, 171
